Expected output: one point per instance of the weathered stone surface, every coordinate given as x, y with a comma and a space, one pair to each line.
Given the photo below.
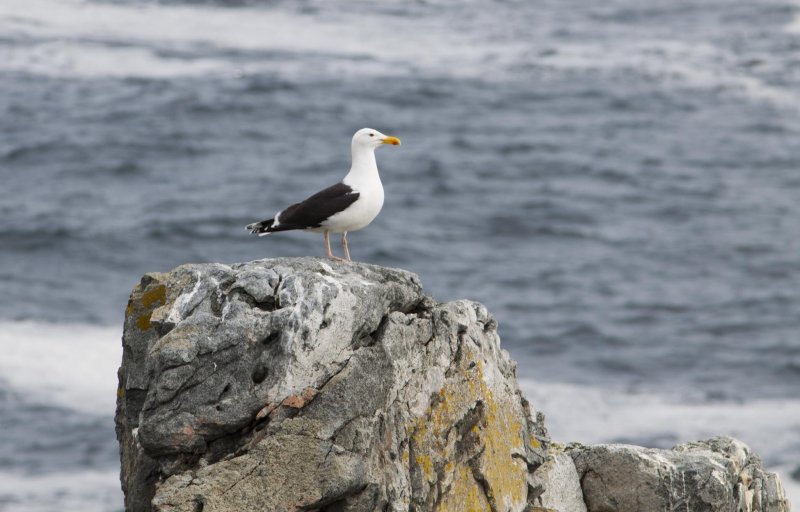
717, 475
558, 479
301, 384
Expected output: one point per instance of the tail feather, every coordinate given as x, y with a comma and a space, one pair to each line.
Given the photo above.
261, 228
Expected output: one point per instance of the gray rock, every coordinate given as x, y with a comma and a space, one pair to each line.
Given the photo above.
302, 384
558, 479
719, 475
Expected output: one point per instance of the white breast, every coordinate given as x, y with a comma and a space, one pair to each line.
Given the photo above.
364, 210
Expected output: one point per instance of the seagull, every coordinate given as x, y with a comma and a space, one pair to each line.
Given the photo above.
349, 205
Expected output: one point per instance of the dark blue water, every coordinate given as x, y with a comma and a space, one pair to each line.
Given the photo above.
618, 183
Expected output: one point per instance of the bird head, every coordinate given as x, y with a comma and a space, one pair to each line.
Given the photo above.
369, 138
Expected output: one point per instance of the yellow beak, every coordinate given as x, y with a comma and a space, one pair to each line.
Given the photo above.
394, 141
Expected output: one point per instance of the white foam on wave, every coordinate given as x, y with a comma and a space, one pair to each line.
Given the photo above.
677, 63
72, 366
790, 486
793, 26
87, 491
76, 38
70, 58
595, 415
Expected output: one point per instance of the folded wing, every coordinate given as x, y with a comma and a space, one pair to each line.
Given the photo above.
310, 213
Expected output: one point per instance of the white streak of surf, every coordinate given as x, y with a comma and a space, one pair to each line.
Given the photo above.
68, 365
87, 491
74, 38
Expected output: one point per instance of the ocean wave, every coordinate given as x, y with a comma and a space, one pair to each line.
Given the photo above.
66, 365
591, 414
59, 394
89, 39
685, 64
87, 491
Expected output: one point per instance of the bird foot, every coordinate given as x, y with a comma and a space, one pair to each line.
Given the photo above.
335, 258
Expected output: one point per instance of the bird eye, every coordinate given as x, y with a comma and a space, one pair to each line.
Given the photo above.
371, 134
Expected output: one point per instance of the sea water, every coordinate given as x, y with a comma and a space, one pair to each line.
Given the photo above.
619, 183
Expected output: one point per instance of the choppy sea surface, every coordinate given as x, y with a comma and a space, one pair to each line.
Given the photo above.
619, 182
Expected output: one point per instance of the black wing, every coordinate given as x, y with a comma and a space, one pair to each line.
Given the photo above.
312, 212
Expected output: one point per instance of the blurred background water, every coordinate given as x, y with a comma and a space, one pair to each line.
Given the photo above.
619, 182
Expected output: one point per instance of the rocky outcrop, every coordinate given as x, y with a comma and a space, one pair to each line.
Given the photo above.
304, 384
720, 474
309, 385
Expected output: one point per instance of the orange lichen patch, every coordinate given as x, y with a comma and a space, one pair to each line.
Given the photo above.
294, 401
143, 321
157, 294
185, 435
535, 443
120, 392
265, 411
308, 394
301, 400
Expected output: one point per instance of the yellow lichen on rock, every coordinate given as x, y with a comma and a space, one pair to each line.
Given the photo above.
143, 321
503, 435
464, 443
145, 301
157, 294
465, 494
425, 463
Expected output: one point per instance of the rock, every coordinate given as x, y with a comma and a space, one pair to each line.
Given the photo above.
717, 475
559, 481
302, 384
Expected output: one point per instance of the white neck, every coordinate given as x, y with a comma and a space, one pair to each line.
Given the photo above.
363, 178
364, 166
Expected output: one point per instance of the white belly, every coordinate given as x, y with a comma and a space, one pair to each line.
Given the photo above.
359, 214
